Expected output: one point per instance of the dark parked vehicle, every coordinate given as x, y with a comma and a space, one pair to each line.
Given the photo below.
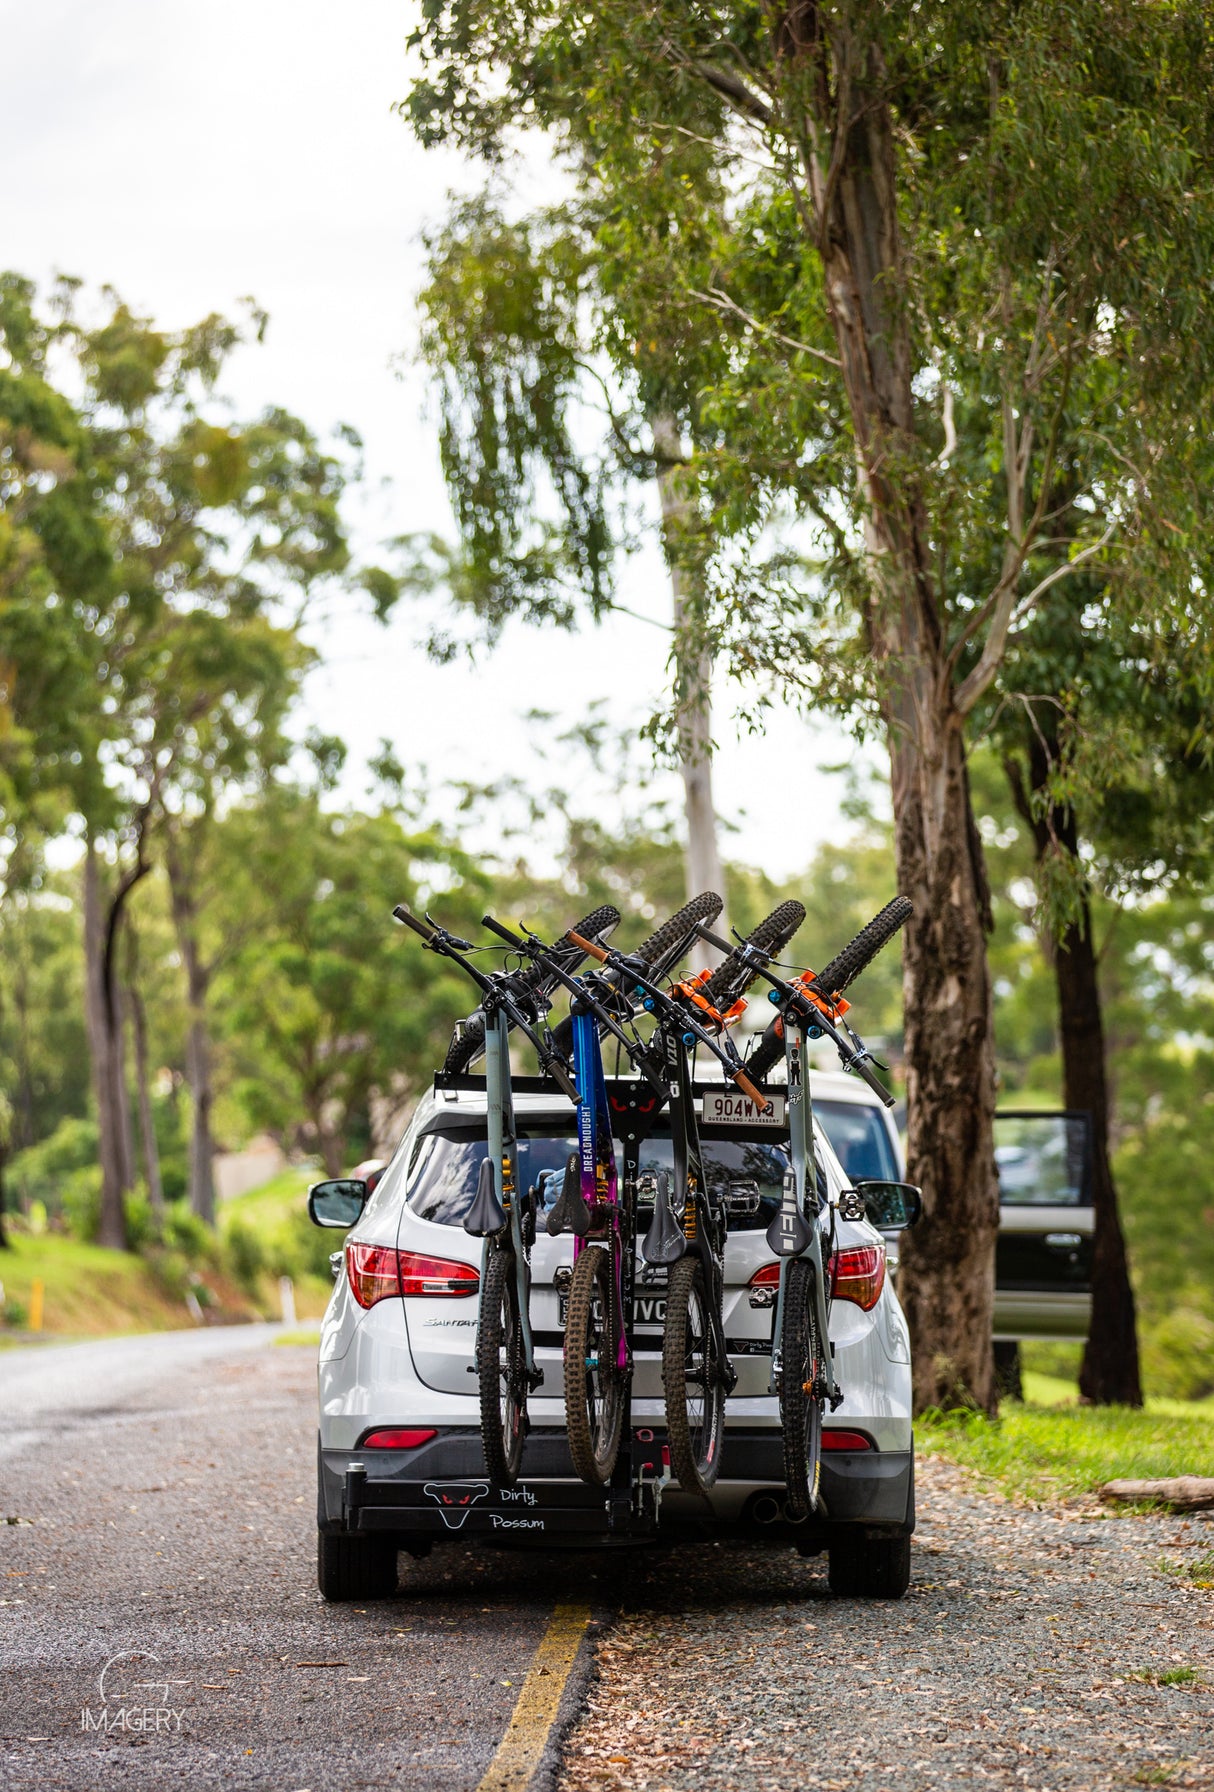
1043, 1259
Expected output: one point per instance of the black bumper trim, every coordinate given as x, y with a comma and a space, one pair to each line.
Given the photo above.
441, 1489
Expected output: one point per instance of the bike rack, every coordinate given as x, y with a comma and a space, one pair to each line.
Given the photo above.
629, 1508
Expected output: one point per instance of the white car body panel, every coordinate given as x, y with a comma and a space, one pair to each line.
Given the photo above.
406, 1362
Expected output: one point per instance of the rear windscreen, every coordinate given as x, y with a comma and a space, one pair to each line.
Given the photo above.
747, 1173
1042, 1159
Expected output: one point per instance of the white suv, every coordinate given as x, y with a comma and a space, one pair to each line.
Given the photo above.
401, 1466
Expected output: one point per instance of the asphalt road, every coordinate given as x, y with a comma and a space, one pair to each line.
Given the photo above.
160, 1499
160, 1494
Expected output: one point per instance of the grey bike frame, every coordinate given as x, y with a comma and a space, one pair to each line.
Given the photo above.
503, 1155
799, 1209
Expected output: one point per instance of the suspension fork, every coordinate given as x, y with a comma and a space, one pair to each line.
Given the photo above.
797, 1228
503, 1155
596, 1159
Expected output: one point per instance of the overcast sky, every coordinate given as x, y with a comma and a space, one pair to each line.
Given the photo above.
189, 154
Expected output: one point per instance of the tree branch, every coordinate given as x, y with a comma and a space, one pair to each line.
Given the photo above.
721, 301
744, 102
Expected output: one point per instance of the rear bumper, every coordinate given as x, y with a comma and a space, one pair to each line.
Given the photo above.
440, 1491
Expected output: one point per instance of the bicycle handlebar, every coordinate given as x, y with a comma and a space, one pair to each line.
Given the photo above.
589, 947
796, 999
496, 987
401, 913
732, 1068
503, 933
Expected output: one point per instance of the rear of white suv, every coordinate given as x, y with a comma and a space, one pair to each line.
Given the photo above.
400, 1454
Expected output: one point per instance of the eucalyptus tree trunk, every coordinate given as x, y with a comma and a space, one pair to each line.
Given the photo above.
198, 1038
947, 1277
693, 677
147, 1126
1109, 1374
103, 1027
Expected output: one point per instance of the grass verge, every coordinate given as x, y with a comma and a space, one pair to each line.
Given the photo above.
91, 1292
1047, 1452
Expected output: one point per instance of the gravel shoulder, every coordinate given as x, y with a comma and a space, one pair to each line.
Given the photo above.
1031, 1651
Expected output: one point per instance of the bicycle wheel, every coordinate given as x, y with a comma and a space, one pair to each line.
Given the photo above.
500, 1370
674, 937
467, 1046
846, 966
733, 977
659, 952
842, 970
594, 1388
691, 1380
800, 1389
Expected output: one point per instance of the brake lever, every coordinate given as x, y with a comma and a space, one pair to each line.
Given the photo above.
450, 939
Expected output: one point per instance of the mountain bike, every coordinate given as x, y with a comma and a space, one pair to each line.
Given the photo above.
802, 1364
500, 1214
468, 1040
697, 1376
595, 1204
689, 1238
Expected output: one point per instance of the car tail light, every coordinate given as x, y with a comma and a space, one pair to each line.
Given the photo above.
374, 1272
436, 1275
858, 1275
377, 1271
833, 1439
396, 1440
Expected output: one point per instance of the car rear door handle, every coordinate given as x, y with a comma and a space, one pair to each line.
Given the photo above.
1063, 1241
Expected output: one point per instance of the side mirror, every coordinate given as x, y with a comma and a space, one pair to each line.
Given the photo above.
890, 1206
337, 1203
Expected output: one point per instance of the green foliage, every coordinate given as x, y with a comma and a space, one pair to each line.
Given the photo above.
1178, 1348
186, 1233
40, 1172
501, 329
246, 1253
1043, 1453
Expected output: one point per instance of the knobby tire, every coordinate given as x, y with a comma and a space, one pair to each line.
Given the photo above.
801, 1410
501, 1370
594, 1386
695, 1408
659, 952
842, 970
733, 977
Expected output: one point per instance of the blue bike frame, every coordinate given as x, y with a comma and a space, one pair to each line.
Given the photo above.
596, 1156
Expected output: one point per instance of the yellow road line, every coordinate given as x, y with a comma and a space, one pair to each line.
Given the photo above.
522, 1747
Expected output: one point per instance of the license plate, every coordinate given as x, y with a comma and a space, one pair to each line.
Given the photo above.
647, 1309
728, 1107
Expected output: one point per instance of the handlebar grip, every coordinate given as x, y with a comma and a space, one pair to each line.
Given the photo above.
874, 1082
587, 946
503, 933
401, 913
748, 1088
